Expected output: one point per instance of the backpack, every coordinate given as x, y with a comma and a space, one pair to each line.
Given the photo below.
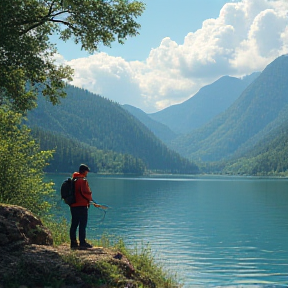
68, 191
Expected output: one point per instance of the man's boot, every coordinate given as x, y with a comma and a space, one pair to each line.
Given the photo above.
74, 244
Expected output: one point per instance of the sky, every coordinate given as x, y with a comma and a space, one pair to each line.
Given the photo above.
183, 45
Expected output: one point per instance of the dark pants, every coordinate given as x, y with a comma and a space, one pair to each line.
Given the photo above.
79, 218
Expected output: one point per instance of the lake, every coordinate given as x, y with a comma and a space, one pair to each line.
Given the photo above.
214, 231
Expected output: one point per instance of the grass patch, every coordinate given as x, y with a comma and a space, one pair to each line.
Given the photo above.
145, 264
59, 230
153, 274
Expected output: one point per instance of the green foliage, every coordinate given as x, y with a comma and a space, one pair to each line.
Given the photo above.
26, 56
101, 123
21, 165
59, 229
92, 22
27, 66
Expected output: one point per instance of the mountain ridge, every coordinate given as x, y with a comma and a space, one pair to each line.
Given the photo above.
249, 114
207, 103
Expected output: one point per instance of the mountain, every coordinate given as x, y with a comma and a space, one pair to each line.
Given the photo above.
262, 107
160, 130
101, 123
210, 101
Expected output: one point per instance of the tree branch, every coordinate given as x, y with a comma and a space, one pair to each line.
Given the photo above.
63, 22
46, 19
49, 17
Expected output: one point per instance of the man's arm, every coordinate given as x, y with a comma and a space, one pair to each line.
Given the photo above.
85, 190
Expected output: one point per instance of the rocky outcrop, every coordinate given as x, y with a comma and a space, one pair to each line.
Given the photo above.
19, 227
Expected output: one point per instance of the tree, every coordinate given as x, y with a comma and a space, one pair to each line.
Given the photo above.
27, 63
21, 165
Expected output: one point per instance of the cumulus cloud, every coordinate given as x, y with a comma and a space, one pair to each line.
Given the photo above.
111, 77
246, 36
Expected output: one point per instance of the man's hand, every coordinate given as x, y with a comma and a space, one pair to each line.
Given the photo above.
102, 206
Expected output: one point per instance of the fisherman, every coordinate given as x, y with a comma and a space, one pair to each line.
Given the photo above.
79, 210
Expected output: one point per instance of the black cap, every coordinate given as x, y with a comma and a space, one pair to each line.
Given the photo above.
83, 168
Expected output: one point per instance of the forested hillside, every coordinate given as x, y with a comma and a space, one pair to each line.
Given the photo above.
260, 109
160, 130
210, 101
69, 153
103, 124
268, 157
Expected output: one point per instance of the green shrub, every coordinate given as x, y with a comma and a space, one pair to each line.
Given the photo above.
21, 165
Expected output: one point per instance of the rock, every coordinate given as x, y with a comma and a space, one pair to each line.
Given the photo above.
19, 227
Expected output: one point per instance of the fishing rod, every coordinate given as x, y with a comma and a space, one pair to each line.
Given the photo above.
101, 207
98, 205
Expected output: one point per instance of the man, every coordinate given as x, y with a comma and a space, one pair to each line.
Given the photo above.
79, 210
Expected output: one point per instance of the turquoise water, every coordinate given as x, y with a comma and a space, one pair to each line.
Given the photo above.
212, 231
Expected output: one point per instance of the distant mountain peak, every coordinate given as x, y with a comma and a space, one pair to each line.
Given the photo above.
208, 102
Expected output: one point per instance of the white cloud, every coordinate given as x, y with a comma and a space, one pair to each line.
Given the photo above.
246, 36
111, 77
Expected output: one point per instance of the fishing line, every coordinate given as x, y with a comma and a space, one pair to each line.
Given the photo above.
103, 214
101, 207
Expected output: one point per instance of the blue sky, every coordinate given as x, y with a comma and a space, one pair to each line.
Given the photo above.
162, 18
183, 45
